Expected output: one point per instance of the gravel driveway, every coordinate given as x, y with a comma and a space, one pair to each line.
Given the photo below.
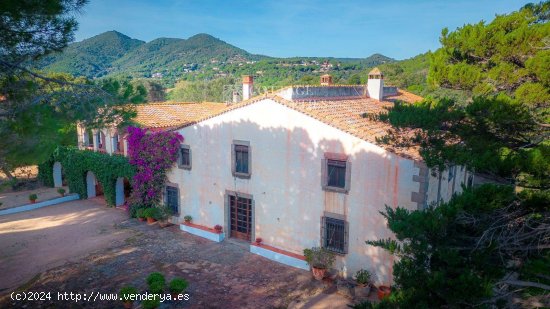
85, 247
34, 241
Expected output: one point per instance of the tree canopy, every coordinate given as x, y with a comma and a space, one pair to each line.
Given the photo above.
38, 110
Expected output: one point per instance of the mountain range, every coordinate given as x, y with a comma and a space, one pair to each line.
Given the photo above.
115, 54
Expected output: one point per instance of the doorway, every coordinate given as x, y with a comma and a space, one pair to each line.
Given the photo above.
240, 217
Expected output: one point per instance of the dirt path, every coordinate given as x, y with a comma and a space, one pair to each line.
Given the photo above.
84, 248
35, 241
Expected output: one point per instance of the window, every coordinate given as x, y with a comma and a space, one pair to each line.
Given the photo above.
172, 198
89, 138
334, 235
452, 171
240, 157
185, 157
115, 143
99, 140
336, 172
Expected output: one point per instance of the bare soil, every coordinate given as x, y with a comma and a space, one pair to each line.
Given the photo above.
85, 247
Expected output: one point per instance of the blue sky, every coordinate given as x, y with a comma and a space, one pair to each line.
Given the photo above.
281, 28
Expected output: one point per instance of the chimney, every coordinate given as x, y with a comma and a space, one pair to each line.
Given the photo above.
248, 86
326, 80
375, 84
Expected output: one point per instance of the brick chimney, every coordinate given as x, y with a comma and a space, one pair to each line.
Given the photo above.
248, 86
326, 80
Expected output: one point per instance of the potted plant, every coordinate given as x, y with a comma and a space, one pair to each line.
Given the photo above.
187, 219
125, 295
258, 240
218, 228
383, 291
33, 197
61, 191
320, 259
362, 277
151, 214
176, 286
140, 214
164, 214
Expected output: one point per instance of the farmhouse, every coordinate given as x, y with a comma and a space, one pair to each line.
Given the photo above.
298, 167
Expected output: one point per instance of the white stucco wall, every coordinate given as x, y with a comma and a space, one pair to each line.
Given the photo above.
287, 148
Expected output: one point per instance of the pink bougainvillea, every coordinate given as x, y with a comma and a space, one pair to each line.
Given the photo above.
153, 153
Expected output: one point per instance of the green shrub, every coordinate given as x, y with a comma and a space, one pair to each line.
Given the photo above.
76, 163
177, 285
319, 257
140, 213
151, 212
165, 212
156, 287
126, 292
187, 218
150, 303
61, 191
362, 276
155, 277
33, 197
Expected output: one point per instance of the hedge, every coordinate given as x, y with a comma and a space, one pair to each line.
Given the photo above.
76, 164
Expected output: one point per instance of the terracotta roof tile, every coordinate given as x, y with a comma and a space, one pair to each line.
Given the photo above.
169, 115
347, 115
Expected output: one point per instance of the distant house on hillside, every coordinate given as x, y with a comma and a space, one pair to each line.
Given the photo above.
298, 167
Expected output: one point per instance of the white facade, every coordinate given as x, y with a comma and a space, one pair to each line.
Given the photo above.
287, 150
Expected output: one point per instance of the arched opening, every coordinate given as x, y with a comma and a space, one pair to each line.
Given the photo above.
57, 175
123, 190
93, 187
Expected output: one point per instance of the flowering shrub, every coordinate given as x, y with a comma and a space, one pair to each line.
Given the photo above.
152, 153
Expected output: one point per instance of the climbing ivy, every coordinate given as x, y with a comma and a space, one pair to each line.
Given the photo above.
76, 164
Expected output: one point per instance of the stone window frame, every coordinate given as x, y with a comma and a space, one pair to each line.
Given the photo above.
345, 223
324, 172
180, 165
234, 159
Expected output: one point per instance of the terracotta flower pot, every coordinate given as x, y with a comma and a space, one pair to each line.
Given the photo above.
128, 304
151, 220
33, 201
383, 292
141, 219
174, 296
318, 273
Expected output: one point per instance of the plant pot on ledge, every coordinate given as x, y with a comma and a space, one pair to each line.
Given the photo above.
259, 241
187, 219
32, 198
218, 228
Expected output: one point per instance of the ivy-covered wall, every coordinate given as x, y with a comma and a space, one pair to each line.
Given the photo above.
76, 164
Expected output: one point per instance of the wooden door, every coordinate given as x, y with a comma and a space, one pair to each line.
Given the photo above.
240, 217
